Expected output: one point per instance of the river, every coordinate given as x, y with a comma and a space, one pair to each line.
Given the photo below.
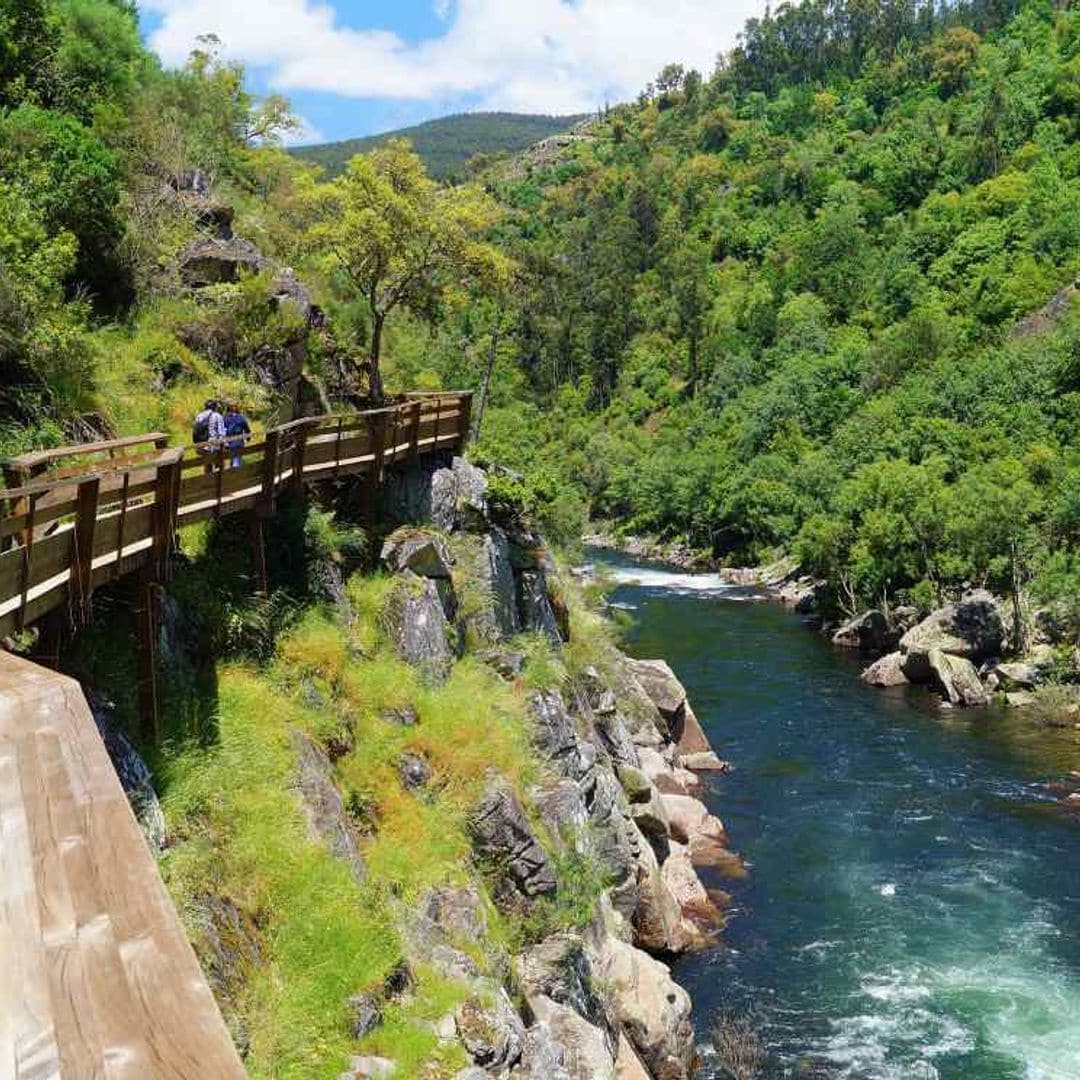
913, 903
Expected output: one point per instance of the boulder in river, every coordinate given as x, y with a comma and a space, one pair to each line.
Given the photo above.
971, 628
887, 671
958, 678
868, 632
1018, 676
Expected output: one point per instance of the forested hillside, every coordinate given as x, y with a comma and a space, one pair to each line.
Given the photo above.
779, 308
448, 144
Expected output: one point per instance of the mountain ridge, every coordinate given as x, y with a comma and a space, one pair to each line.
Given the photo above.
447, 143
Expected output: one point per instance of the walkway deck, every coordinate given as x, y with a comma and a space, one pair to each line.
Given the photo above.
97, 977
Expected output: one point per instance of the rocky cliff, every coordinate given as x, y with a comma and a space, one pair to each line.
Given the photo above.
619, 755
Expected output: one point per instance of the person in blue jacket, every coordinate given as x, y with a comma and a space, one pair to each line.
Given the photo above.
237, 432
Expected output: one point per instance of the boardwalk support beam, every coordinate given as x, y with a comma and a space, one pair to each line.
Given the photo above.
146, 631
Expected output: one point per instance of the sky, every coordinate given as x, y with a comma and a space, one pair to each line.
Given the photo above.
356, 67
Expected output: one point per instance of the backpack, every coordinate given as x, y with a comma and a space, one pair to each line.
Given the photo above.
200, 432
236, 424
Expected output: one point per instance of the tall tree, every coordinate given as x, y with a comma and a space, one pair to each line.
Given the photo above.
402, 241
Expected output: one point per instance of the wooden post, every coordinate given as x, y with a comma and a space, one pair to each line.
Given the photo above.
270, 464
147, 625
418, 405
166, 506
16, 476
220, 452
378, 444
258, 554
118, 566
337, 448
464, 420
82, 570
299, 450
27, 561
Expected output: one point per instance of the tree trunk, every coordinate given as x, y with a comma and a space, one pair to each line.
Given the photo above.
1019, 637
375, 387
485, 386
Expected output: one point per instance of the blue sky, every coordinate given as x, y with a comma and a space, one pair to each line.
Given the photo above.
355, 67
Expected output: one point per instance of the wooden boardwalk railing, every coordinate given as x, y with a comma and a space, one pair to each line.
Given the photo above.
74, 518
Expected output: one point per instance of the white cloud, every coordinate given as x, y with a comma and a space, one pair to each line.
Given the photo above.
304, 133
534, 55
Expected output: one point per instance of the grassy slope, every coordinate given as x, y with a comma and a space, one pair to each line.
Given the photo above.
240, 833
447, 144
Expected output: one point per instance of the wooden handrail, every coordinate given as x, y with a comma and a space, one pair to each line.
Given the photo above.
62, 535
37, 457
49, 483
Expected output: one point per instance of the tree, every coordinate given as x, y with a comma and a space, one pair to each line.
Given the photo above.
402, 241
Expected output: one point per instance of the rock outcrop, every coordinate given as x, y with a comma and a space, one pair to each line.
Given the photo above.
868, 632
322, 803
612, 790
508, 848
971, 629
417, 625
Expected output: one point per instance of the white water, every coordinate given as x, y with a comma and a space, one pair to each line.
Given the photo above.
684, 584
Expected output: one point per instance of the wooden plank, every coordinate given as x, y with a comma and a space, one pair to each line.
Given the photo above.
98, 978
147, 624
197, 489
138, 525
247, 475
52, 554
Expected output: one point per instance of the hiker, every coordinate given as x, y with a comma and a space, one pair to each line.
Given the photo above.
208, 431
237, 432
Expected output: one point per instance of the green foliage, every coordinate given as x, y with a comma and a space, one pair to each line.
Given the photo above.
775, 312
447, 145
69, 176
401, 241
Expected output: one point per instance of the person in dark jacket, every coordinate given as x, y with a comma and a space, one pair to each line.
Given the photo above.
208, 431
237, 432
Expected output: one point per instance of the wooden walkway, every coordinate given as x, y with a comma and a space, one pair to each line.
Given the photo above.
67, 528
97, 977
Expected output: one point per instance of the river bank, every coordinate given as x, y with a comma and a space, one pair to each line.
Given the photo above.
912, 905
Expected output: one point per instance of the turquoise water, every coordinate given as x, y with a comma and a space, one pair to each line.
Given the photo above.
913, 903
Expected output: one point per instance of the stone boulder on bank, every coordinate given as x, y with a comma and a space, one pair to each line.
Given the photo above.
665, 691
887, 671
971, 628
957, 678
868, 632
653, 1010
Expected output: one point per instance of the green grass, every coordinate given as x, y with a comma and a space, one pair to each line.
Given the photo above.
241, 832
